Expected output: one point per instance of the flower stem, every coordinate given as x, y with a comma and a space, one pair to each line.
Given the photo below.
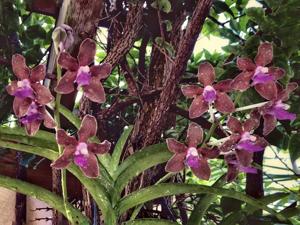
60, 150
257, 105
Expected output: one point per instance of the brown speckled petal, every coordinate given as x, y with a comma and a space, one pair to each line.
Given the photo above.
95, 91
190, 91
12, 87
101, 71
48, 120
277, 72
92, 168
264, 54
285, 94
66, 83
43, 94
68, 62
234, 125
224, 85
175, 146
242, 81
267, 90
32, 127
194, 135
245, 64
176, 163
198, 107
65, 159
270, 122
206, 74
87, 51
101, 148
20, 106
203, 170
88, 128
38, 73
65, 139
19, 67
251, 124
223, 103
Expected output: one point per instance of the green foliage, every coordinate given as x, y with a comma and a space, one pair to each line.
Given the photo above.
163, 5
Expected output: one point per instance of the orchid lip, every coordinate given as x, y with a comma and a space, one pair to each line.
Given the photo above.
83, 76
279, 110
32, 114
262, 76
209, 94
192, 157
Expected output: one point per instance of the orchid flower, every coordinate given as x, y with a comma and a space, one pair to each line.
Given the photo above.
33, 118
80, 150
242, 142
28, 88
211, 94
276, 109
190, 155
234, 167
257, 74
79, 71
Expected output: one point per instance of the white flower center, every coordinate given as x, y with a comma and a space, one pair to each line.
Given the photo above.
81, 149
192, 152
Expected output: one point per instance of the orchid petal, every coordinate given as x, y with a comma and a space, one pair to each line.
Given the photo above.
202, 171
43, 94
234, 125
66, 83
194, 135
88, 128
87, 52
206, 74
264, 54
19, 67
65, 139
92, 168
267, 90
68, 62
176, 163
38, 73
175, 146
198, 107
223, 103
95, 91
100, 148
242, 81
190, 91
245, 64
65, 159
101, 71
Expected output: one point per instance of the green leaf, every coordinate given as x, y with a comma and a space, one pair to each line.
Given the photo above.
150, 222
203, 204
294, 147
140, 161
96, 189
256, 14
46, 196
116, 155
162, 190
163, 5
221, 7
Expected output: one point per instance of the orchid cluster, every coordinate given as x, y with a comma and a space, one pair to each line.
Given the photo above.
31, 98
241, 142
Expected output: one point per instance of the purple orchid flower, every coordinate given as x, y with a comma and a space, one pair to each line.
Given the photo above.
276, 109
81, 151
242, 143
190, 155
28, 87
210, 94
241, 137
79, 71
34, 116
235, 167
257, 74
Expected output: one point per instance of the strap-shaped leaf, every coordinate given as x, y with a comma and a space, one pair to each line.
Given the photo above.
204, 203
95, 188
139, 162
150, 222
46, 196
162, 190
116, 155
